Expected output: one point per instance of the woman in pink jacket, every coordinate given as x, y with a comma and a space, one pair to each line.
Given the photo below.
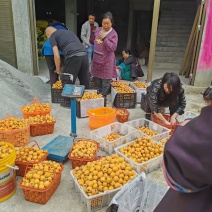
103, 66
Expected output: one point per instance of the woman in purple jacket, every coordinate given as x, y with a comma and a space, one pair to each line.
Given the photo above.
103, 67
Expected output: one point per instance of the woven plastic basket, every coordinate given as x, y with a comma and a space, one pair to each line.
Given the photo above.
122, 117
77, 161
23, 165
42, 129
41, 196
36, 112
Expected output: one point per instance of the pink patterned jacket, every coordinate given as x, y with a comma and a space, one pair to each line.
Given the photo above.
103, 64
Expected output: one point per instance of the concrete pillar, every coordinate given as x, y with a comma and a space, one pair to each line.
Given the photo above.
204, 68
71, 15
130, 23
23, 40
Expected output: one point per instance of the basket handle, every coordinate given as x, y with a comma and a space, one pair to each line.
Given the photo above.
35, 101
35, 144
28, 167
13, 167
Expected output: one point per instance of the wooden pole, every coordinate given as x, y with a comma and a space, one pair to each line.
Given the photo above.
189, 45
197, 37
199, 44
153, 39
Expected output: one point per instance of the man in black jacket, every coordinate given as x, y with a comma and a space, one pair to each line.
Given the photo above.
75, 62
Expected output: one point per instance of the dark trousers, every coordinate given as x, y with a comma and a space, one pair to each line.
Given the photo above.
172, 107
76, 66
54, 77
102, 85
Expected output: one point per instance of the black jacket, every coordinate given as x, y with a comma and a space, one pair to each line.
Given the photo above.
156, 97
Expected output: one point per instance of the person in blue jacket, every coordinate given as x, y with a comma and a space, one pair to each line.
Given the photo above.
49, 55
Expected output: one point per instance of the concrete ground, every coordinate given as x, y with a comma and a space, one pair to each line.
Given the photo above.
19, 89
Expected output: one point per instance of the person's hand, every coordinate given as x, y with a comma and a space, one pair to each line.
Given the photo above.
167, 122
102, 34
173, 120
184, 122
59, 72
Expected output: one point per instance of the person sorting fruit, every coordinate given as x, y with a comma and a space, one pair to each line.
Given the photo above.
165, 92
76, 60
49, 55
129, 66
103, 67
187, 166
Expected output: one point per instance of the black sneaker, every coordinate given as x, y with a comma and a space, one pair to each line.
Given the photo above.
65, 105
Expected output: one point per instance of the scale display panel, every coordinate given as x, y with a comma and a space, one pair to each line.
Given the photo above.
73, 91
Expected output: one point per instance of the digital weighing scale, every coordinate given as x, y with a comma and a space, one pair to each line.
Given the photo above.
59, 148
73, 92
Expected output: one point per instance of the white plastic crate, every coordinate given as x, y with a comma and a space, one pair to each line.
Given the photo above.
147, 166
150, 124
130, 196
187, 115
160, 138
141, 194
95, 202
153, 194
139, 92
115, 127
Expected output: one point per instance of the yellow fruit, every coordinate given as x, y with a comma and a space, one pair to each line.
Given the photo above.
105, 174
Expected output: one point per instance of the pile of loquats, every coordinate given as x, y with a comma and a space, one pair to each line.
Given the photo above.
112, 137
36, 107
5, 150
13, 123
121, 112
147, 131
57, 85
41, 175
29, 154
84, 149
108, 173
142, 150
41, 119
90, 95
139, 84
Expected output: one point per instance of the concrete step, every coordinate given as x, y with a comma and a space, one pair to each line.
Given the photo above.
172, 39
178, 4
174, 26
174, 31
176, 23
169, 54
170, 49
162, 71
174, 15
178, 12
171, 44
177, 9
177, 19
170, 59
169, 66
173, 35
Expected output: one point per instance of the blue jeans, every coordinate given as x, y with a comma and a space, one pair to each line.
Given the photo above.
90, 52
